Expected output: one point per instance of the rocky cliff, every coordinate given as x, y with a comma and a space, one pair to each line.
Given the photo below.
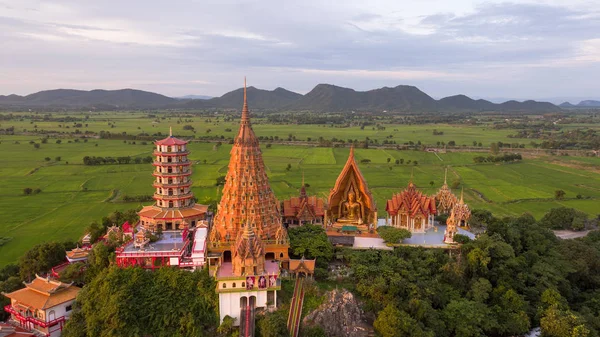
340, 315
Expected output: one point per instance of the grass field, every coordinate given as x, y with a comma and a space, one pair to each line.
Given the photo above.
73, 195
137, 122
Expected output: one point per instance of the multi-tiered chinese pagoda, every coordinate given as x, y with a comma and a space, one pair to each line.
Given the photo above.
169, 220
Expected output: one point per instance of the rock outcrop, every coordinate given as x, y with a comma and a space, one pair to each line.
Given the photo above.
340, 315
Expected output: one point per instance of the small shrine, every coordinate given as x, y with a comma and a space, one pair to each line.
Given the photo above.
445, 198
411, 210
451, 228
303, 209
350, 204
462, 212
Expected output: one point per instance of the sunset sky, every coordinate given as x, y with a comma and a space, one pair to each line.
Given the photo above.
529, 49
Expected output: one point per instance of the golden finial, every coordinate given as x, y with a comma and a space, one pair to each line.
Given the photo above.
462, 193
245, 116
170, 131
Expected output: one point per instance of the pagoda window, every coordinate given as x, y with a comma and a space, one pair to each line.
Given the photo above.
169, 149
243, 284
170, 191
170, 180
170, 170
224, 285
233, 285
170, 204
169, 159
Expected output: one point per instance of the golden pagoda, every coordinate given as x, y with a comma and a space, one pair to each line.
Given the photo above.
445, 198
247, 199
350, 202
462, 212
451, 228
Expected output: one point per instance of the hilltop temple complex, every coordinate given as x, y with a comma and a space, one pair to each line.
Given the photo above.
350, 205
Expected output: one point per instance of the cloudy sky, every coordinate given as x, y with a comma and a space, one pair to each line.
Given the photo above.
524, 49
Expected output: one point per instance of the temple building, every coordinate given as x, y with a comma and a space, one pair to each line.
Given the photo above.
451, 228
175, 208
411, 209
247, 242
462, 212
445, 198
42, 307
167, 230
350, 205
303, 209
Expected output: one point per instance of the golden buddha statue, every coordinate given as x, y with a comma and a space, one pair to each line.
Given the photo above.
351, 210
350, 202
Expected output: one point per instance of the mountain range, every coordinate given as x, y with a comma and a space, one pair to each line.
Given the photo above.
582, 104
322, 98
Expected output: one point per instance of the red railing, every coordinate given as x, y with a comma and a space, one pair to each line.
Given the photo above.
33, 320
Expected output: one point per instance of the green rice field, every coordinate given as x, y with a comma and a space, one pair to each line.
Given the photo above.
73, 195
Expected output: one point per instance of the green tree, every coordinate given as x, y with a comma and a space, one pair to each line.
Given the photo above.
166, 302
272, 324
41, 258
559, 194
311, 242
466, 318
393, 235
392, 322
494, 148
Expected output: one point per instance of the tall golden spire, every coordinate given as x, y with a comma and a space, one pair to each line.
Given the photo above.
170, 131
462, 194
245, 113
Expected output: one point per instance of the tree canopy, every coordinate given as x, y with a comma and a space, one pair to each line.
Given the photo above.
135, 302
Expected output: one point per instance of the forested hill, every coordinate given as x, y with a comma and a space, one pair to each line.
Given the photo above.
257, 99
108, 99
322, 98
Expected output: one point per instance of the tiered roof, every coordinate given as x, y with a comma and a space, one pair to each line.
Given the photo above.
161, 213
304, 207
247, 196
170, 141
43, 293
411, 201
461, 210
249, 252
445, 198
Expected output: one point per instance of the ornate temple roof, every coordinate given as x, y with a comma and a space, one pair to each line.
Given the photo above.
445, 198
43, 293
248, 245
303, 205
296, 206
247, 197
351, 172
412, 201
160, 213
170, 140
461, 210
